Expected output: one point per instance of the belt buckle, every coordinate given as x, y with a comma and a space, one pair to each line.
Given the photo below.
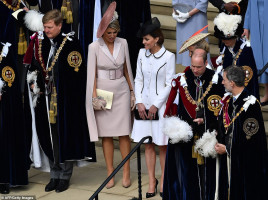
112, 74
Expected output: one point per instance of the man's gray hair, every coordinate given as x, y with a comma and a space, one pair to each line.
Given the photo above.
236, 74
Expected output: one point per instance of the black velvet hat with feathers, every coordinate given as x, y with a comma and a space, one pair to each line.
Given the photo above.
228, 26
148, 27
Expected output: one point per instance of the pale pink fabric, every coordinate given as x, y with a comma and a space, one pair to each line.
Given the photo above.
117, 121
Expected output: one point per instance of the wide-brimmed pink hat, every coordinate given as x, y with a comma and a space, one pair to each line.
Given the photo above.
106, 19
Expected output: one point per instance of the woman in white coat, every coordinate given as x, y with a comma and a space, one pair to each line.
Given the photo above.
155, 70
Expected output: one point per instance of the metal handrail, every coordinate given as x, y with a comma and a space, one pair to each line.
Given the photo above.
136, 148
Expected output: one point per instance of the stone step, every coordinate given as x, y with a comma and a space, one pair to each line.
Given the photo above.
266, 131
171, 46
168, 26
164, 7
265, 113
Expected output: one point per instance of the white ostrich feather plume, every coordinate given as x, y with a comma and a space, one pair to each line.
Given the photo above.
115, 17
32, 79
2, 84
33, 21
177, 130
205, 146
227, 23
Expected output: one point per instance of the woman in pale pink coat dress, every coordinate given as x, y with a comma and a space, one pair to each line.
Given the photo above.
109, 69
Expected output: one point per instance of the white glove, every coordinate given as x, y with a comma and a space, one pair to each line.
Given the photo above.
183, 15
219, 60
178, 19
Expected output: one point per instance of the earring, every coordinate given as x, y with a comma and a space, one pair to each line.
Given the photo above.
155, 44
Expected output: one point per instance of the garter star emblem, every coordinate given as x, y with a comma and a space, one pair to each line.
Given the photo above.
214, 104
75, 60
250, 127
8, 75
248, 73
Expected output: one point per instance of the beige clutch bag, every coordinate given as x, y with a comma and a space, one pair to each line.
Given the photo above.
107, 96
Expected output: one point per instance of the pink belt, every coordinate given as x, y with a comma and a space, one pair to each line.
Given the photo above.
111, 74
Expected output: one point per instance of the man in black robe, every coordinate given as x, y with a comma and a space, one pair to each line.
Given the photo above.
242, 142
13, 154
57, 84
188, 175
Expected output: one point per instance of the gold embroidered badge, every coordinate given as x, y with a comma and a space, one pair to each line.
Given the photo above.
250, 127
249, 74
75, 60
8, 75
214, 104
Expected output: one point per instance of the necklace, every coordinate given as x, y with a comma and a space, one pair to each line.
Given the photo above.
54, 60
14, 8
226, 126
198, 102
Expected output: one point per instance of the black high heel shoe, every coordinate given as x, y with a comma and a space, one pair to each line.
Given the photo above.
148, 194
161, 194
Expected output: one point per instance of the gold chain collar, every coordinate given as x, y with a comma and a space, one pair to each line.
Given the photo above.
226, 126
10, 6
236, 57
54, 60
190, 98
1, 57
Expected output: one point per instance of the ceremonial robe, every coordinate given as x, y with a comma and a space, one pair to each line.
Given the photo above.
244, 59
246, 148
69, 75
13, 154
182, 174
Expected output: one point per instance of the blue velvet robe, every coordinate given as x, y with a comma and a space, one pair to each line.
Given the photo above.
71, 127
181, 179
246, 58
248, 155
13, 154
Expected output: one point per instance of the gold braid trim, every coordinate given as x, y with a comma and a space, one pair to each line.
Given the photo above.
55, 58
190, 98
237, 56
1, 57
226, 126
10, 6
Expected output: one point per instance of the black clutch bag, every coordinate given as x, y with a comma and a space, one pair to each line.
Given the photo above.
137, 116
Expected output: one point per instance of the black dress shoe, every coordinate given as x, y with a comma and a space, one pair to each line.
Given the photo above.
4, 188
52, 185
148, 194
62, 186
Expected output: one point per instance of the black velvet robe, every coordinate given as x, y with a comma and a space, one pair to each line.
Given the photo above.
13, 154
248, 156
246, 58
181, 179
74, 142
